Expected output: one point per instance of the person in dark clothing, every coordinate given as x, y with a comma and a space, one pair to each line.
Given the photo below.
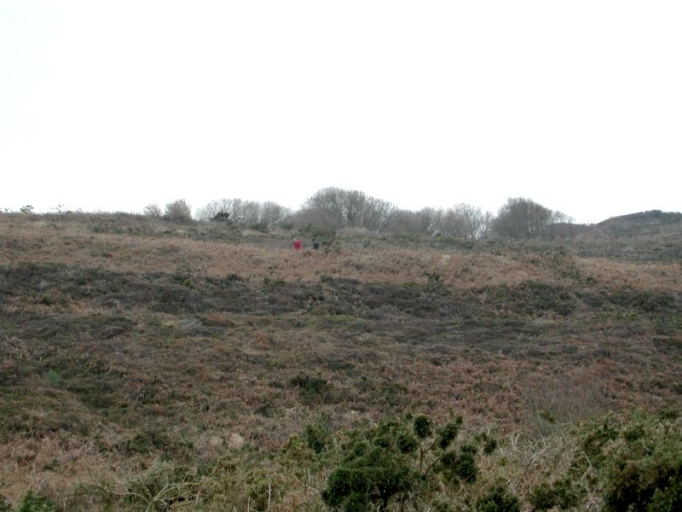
316, 244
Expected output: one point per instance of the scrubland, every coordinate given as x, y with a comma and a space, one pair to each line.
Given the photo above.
151, 366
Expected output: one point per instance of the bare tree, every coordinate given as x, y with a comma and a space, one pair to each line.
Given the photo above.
336, 208
178, 211
324, 209
273, 214
153, 210
429, 220
524, 218
245, 213
214, 208
402, 222
465, 221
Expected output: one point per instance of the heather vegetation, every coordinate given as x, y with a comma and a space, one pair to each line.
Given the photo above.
180, 361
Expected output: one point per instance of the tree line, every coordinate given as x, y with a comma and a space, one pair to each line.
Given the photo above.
335, 208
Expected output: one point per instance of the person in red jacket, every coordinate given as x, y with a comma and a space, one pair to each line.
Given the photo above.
297, 244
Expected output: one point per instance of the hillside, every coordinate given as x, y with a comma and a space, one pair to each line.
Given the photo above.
146, 365
649, 222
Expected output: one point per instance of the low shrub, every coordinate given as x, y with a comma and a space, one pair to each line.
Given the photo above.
37, 503
498, 499
388, 462
559, 494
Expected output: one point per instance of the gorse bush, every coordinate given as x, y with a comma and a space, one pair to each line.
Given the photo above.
317, 437
560, 494
498, 499
398, 457
313, 389
632, 464
623, 464
652, 483
31, 503
35, 503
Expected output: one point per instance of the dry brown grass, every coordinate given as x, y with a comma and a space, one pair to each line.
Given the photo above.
40, 242
52, 464
641, 276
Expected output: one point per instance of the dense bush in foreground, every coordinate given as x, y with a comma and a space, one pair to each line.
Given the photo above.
617, 464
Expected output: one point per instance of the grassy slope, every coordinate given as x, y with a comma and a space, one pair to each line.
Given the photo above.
122, 339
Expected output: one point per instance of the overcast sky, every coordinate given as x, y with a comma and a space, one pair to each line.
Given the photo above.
115, 105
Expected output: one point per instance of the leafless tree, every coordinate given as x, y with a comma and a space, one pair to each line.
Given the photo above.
245, 213
178, 211
524, 218
402, 222
273, 214
336, 208
214, 208
429, 220
465, 221
153, 210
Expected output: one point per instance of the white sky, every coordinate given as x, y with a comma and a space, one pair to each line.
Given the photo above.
114, 105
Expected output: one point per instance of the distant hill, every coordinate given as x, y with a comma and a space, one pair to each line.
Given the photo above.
649, 222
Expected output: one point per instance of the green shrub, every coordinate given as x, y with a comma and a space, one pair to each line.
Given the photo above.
489, 444
262, 488
4, 504
221, 216
448, 434
397, 458
560, 494
498, 499
422, 426
667, 500
34, 503
465, 465
407, 443
368, 478
634, 464
317, 437
313, 389
647, 485
595, 441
